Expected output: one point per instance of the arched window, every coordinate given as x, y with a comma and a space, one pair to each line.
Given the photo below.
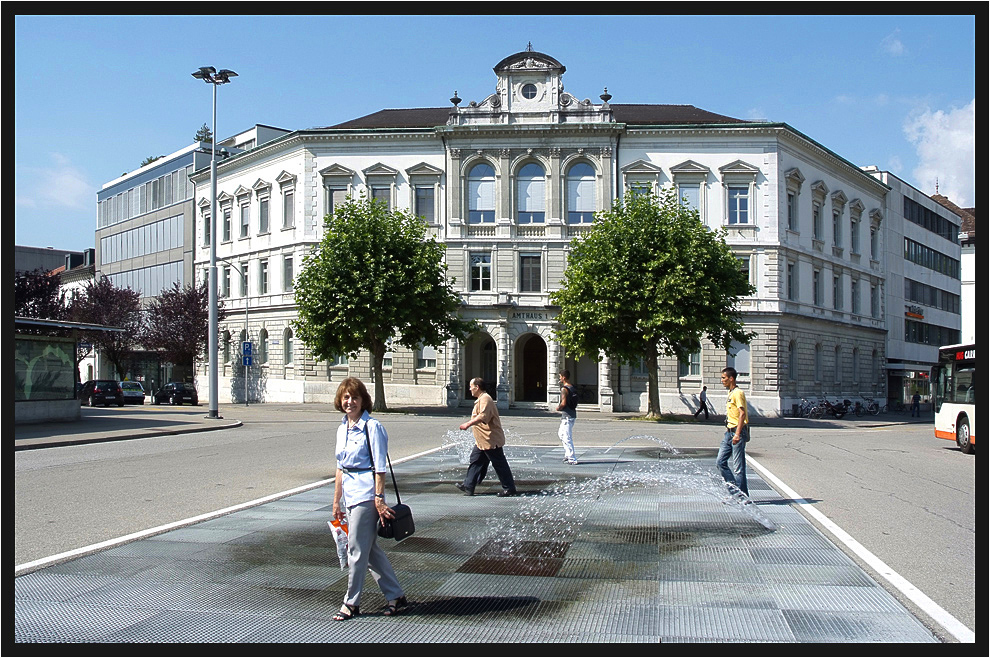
581, 194
531, 192
481, 194
287, 347
263, 346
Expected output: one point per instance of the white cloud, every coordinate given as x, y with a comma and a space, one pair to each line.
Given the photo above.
61, 185
946, 147
892, 45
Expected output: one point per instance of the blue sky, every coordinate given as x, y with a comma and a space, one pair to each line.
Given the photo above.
96, 95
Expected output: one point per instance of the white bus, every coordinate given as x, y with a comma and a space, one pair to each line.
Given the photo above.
954, 382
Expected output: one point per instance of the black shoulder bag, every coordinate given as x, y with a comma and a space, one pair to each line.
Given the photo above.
401, 526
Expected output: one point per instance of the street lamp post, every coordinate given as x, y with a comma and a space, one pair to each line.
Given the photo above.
216, 78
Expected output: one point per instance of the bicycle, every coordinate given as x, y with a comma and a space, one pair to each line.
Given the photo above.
871, 407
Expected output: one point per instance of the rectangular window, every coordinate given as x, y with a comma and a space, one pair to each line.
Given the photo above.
263, 215
691, 196
287, 273
335, 196
691, 367
481, 272
530, 273
791, 212
854, 236
836, 228
225, 283
383, 194
854, 291
425, 207
263, 277
288, 209
745, 268
244, 275
226, 225
816, 287
791, 281
738, 358
245, 219
837, 293
427, 358
816, 221
738, 205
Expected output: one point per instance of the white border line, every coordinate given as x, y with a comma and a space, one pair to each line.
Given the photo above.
143, 534
952, 625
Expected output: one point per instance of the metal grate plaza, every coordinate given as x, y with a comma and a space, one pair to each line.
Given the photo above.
631, 545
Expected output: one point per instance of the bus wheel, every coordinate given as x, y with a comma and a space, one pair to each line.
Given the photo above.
962, 436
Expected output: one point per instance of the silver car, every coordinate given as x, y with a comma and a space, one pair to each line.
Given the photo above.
133, 392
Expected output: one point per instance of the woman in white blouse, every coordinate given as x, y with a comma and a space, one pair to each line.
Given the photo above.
359, 497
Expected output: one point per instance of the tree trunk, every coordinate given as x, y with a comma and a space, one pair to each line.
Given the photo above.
653, 383
378, 356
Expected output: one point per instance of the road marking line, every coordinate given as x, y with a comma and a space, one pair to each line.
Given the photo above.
144, 534
952, 625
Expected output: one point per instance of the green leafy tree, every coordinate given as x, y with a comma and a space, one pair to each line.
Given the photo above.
649, 279
177, 323
375, 278
104, 303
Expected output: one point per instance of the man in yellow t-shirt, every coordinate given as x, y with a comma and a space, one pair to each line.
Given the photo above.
731, 460
488, 441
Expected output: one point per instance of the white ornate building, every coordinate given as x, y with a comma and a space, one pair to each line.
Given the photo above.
506, 183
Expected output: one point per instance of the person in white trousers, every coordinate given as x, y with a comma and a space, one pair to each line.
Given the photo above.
568, 414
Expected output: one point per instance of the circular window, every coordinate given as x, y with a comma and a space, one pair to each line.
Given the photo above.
529, 91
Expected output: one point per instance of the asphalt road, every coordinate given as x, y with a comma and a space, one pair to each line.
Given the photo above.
905, 496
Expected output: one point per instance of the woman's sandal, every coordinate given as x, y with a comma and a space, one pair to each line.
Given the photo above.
392, 608
347, 612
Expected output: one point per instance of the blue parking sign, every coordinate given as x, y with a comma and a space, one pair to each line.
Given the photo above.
246, 348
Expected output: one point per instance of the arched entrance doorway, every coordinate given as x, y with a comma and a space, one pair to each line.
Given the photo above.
481, 360
531, 369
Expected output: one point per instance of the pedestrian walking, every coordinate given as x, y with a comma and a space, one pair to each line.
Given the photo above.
568, 414
488, 442
704, 403
731, 460
359, 498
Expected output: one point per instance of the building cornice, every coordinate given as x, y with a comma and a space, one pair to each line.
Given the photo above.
780, 131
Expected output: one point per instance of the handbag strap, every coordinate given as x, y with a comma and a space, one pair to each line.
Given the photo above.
367, 439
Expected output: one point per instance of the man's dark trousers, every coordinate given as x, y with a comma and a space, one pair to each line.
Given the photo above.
478, 468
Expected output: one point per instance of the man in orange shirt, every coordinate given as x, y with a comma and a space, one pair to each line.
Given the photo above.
488, 441
736, 434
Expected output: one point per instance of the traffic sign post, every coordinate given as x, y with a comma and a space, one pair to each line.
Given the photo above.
246, 359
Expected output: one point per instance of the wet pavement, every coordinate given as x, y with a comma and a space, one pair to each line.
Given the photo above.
634, 544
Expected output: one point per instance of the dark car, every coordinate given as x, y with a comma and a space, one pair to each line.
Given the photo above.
176, 393
133, 392
102, 391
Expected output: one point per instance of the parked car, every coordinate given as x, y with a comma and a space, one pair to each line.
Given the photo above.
133, 392
102, 391
177, 393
